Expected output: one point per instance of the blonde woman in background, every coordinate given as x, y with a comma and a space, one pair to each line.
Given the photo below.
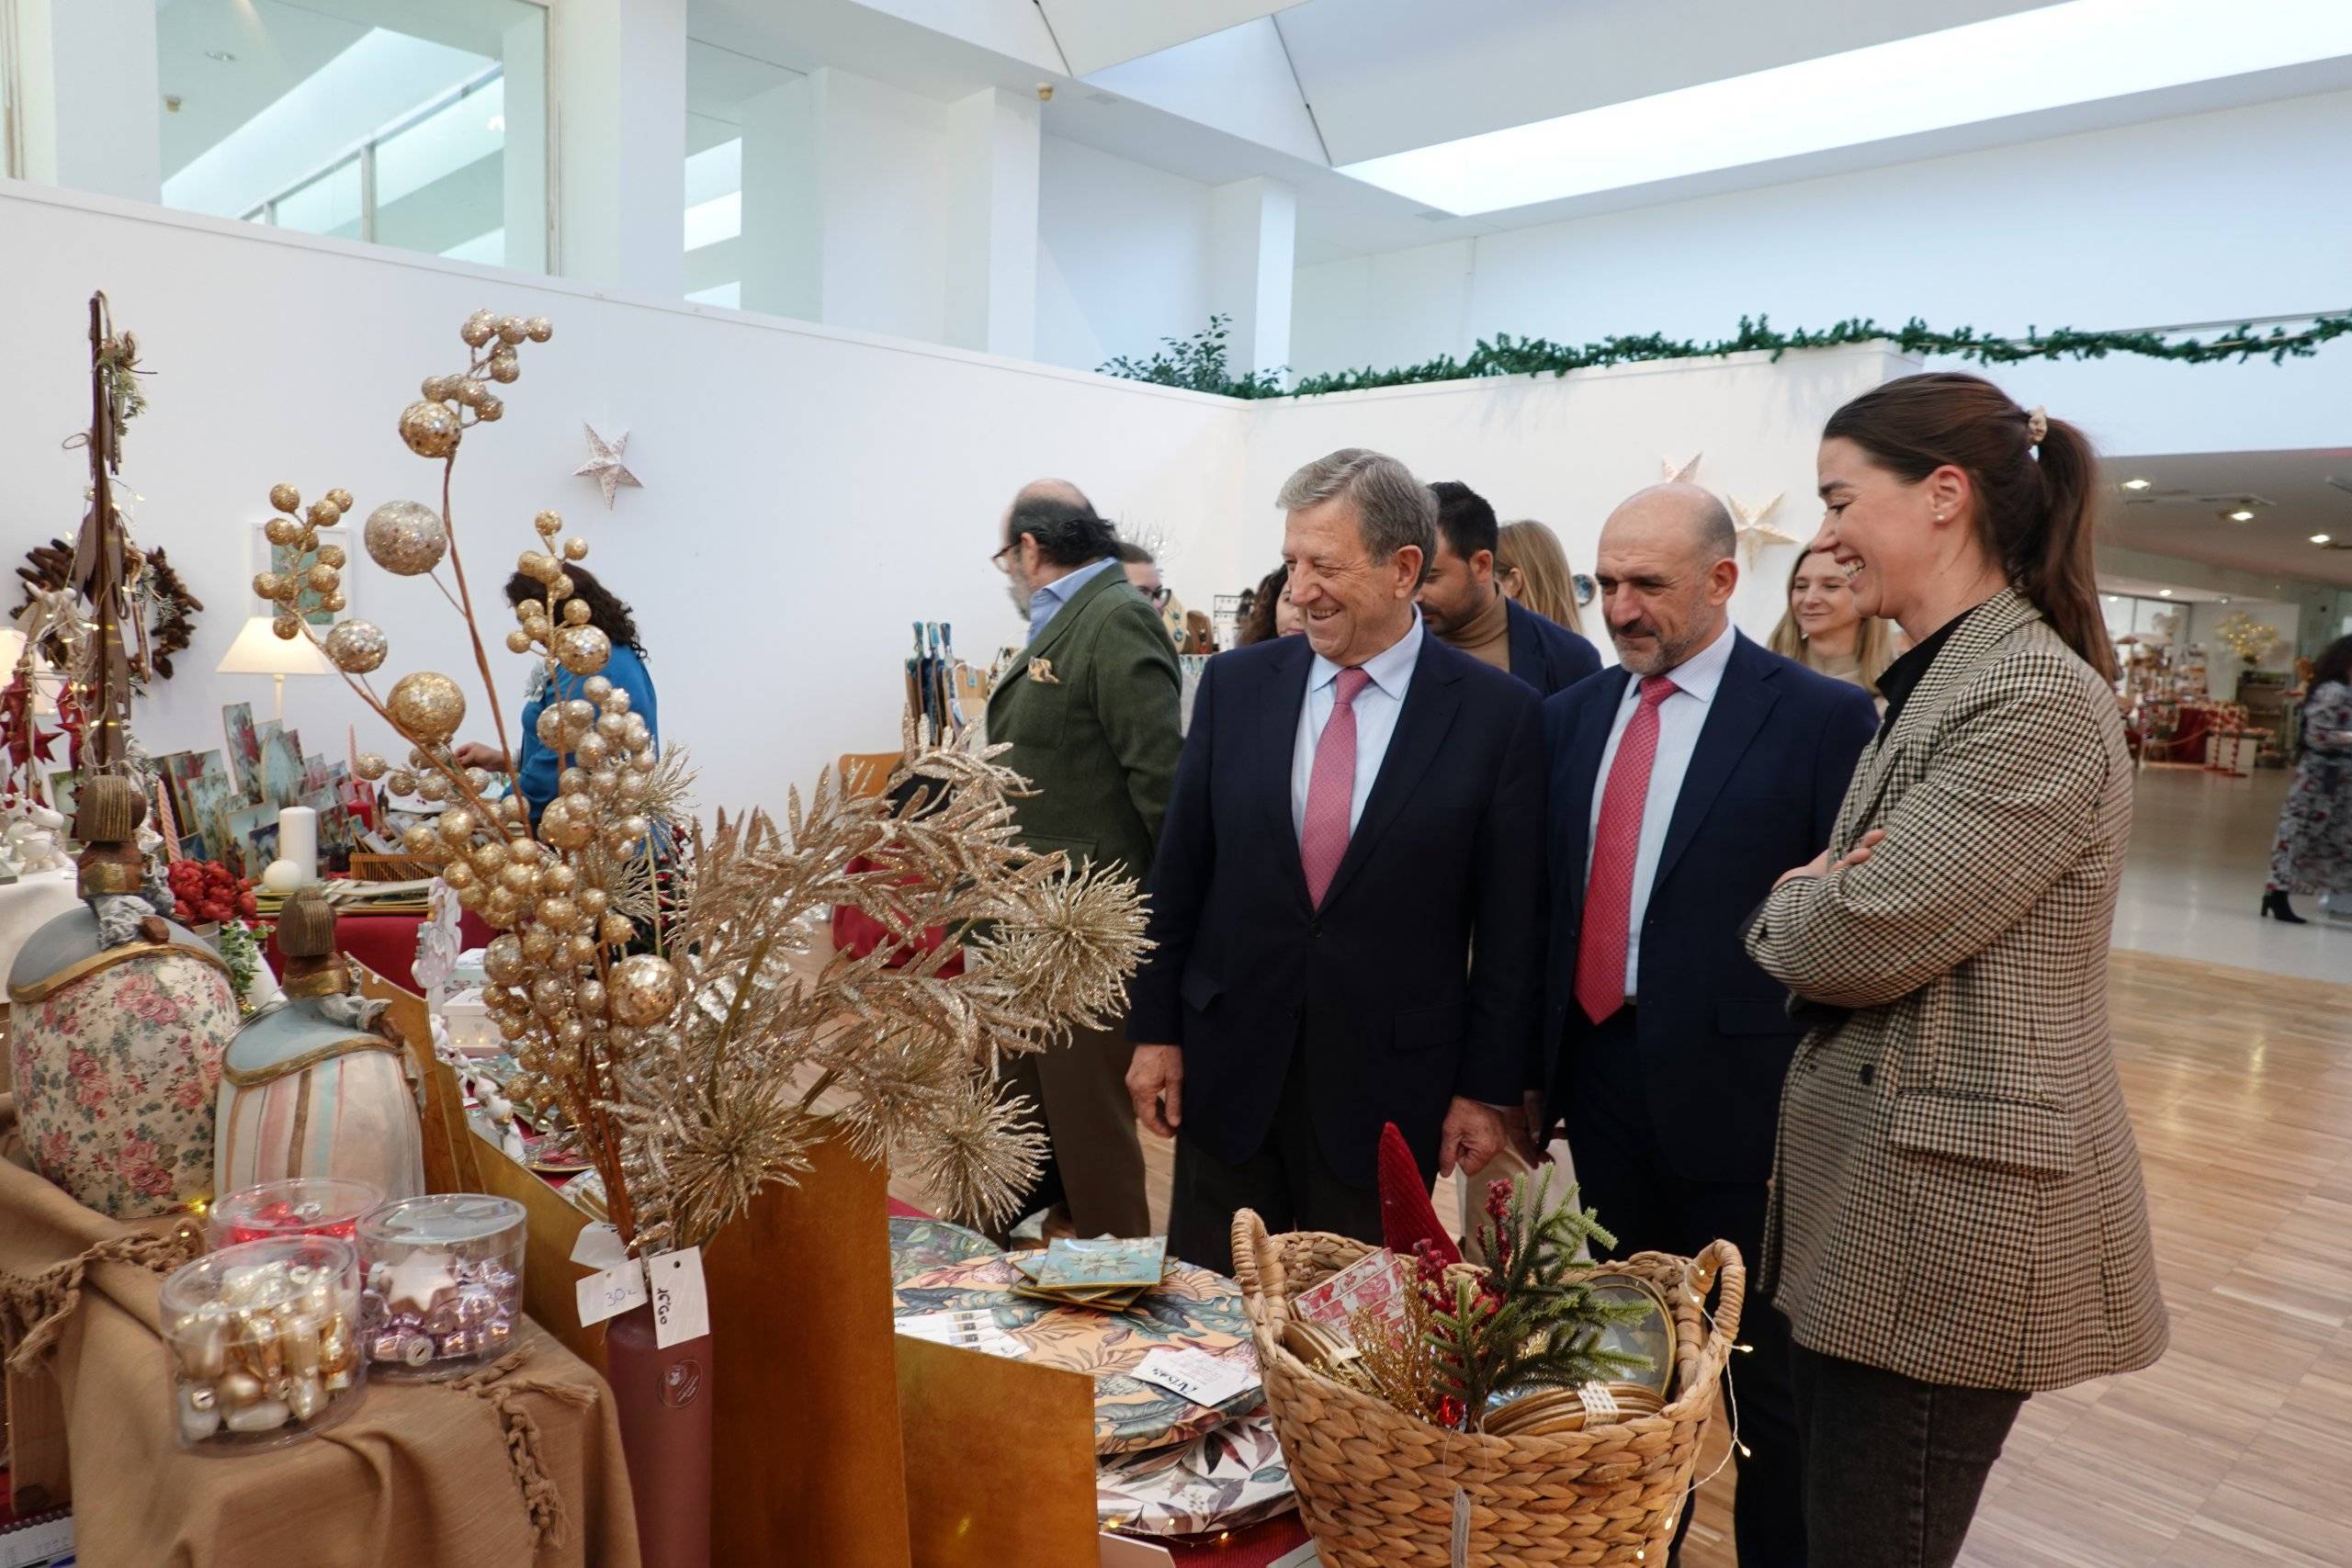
1531, 567
1822, 630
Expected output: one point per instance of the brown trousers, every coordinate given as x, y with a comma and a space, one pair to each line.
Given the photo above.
1094, 1160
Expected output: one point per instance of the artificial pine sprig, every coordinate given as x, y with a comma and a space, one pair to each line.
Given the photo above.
1531, 1319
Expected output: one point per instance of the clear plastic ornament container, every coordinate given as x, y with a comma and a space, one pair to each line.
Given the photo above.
303, 1206
264, 1342
442, 1278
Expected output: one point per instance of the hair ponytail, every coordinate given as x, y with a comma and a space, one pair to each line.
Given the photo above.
2053, 564
2034, 500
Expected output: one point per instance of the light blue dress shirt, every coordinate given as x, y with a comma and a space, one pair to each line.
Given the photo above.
1047, 602
1679, 718
1376, 707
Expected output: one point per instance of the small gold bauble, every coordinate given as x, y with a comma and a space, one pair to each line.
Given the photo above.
287, 625
457, 825
593, 750
584, 650
581, 946
633, 827
558, 826
368, 765
469, 391
560, 586
617, 700
427, 705
520, 877
558, 912
502, 961
322, 579
576, 611
597, 690
356, 647
512, 329
439, 388
571, 1033
432, 786
539, 944
589, 997
402, 782
606, 782
281, 531
430, 429
616, 930
613, 725
490, 408
419, 839
593, 902
285, 498
341, 497
269, 584
539, 328
643, 990
480, 328
406, 538
324, 514
549, 726
502, 908
548, 524
335, 604
558, 878
572, 780
536, 564
459, 875
505, 367
333, 555
575, 549
519, 641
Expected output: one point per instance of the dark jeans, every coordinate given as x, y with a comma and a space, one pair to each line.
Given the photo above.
1629, 1181
1287, 1182
1892, 1466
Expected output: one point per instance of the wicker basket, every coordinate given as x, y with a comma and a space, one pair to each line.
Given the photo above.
1376, 1487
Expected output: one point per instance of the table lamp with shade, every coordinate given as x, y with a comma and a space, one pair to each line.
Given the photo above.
259, 650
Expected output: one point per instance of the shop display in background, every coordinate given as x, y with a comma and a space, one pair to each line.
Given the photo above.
306, 1206
263, 1340
444, 1290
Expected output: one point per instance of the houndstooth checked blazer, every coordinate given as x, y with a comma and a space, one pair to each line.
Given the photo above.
1956, 1192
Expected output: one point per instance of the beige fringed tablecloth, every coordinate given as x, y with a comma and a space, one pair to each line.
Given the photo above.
519, 1464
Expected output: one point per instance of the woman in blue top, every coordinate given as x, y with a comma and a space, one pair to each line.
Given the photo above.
537, 767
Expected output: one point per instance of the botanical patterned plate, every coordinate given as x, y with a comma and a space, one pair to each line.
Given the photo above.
1230, 1478
918, 1247
1192, 1307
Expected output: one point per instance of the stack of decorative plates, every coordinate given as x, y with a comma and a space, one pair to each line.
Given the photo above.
1107, 1273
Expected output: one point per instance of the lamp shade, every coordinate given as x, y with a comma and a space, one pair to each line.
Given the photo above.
259, 650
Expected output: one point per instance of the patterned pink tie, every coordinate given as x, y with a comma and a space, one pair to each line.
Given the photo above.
1616, 841
1331, 790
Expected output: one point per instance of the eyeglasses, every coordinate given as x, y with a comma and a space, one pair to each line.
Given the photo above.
997, 560
1159, 595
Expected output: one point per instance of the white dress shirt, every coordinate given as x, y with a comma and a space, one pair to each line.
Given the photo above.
1679, 718
1376, 707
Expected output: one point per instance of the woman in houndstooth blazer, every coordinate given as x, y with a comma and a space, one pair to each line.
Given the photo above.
1957, 1216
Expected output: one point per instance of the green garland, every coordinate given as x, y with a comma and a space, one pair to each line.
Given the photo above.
1199, 363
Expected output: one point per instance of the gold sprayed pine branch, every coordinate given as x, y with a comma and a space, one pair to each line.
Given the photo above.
693, 1076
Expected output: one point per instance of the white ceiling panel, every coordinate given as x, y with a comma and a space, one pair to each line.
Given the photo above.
1094, 34
2183, 511
1238, 81
1386, 76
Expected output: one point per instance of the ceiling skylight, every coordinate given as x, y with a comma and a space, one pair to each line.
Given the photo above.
2048, 58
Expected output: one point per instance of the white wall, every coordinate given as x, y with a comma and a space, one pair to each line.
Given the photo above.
808, 492
1566, 451
1123, 255
2205, 217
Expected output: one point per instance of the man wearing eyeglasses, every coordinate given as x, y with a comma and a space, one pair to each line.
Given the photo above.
1090, 709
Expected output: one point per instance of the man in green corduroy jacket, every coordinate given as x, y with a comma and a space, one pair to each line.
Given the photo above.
1090, 709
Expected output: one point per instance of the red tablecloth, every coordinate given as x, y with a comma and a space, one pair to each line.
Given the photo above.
385, 944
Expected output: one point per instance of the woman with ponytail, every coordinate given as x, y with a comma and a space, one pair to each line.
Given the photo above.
1957, 1215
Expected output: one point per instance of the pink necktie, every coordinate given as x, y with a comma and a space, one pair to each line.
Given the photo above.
1331, 790
1616, 841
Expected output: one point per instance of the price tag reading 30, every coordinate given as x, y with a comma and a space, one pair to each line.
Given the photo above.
611, 1291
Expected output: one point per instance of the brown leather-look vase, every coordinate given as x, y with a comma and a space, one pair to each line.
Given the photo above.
664, 1401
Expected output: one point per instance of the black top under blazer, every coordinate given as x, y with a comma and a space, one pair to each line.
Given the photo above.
1773, 761
1380, 988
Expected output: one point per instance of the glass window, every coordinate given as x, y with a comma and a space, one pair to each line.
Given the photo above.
417, 126
719, 82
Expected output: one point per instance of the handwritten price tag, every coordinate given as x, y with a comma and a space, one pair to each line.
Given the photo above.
599, 1246
681, 1310
611, 1291
1195, 1374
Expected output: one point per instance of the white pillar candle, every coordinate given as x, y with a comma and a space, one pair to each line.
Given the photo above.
297, 839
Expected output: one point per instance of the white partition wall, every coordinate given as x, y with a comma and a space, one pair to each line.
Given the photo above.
808, 492
1565, 450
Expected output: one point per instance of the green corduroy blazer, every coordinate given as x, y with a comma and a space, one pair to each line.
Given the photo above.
1091, 711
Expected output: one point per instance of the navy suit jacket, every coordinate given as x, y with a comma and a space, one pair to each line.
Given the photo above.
1380, 986
1771, 767
1546, 654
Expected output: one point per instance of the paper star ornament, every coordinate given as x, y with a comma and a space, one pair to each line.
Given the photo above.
605, 465
1754, 532
1681, 476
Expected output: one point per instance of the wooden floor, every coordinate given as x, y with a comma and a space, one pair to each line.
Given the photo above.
2236, 1449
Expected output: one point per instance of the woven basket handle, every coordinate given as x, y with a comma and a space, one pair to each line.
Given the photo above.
1258, 1266
1720, 1261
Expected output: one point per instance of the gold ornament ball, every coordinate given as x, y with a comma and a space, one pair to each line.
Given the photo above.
341, 497
539, 944
469, 391
596, 691
593, 750
333, 555
480, 328
427, 705
322, 579
581, 946
617, 930
512, 329
430, 429
589, 997
537, 564
356, 647
324, 514
613, 725
550, 724
459, 876
643, 990
558, 912
457, 825
576, 611
559, 878
420, 839
505, 367
439, 388
520, 877
369, 766
503, 962
575, 549
593, 902
502, 908
560, 586
402, 782
559, 827
335, 603
548, 524
538, 329
519, 641
281, 531
584, 650
406, 537
268, 585
490, 408
285, 498
287, 625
